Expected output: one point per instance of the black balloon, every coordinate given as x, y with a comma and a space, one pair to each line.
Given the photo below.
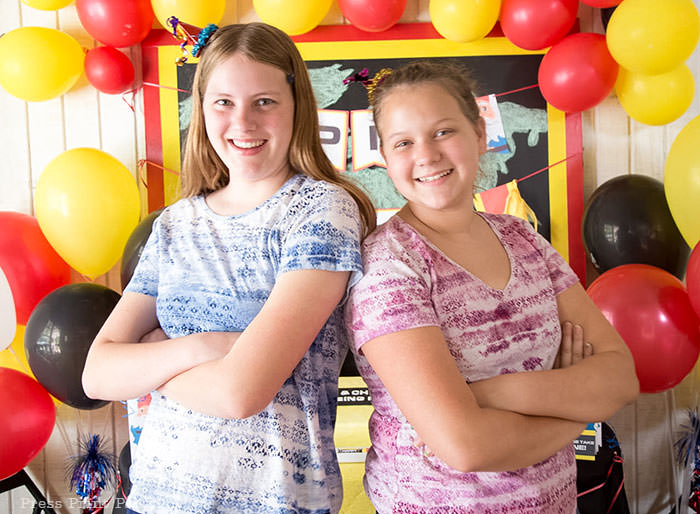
134, 246
627, 221
125, 488
58, 336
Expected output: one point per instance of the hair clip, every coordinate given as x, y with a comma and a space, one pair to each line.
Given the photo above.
182, 34
290, 77
203, 38
361, 76
374, 82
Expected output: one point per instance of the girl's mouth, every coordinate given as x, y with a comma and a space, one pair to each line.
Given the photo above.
434, 177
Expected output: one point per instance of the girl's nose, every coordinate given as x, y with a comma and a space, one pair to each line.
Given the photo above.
427, 153
243, 118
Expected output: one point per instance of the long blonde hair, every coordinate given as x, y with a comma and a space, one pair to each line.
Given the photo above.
203, 170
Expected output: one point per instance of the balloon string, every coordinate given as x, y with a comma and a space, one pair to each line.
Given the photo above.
517, 90
670, 409
131, 102
550, 166
142, 166
165, 87
540, 170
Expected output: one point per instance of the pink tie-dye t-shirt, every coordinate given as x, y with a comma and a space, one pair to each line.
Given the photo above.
410, 283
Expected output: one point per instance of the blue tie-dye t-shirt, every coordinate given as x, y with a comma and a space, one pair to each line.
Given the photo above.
214, 273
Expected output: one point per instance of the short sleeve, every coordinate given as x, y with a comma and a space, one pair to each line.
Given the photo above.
145, 277
393, 295
560, 273
323, 233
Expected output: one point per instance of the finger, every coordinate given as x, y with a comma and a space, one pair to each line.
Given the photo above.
577, 344
557, 362
565, 349
587, 350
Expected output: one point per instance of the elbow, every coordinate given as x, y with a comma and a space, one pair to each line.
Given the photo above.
464, 454
467, 460
628, 389
90, 386
633, 389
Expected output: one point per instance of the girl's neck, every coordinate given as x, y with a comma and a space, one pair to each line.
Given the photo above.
457, 223
240, 197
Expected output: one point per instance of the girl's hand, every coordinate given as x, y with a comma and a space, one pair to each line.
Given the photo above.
572, 349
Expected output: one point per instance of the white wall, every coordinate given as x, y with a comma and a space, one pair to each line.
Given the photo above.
31, 134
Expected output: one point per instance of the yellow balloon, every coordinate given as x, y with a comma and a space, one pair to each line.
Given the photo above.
292, 16
38, 63
47, 5
652, 36
87, 204
682, 181
655, 99
464, 20
197, 13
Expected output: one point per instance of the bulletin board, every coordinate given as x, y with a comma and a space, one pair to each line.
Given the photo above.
543, 144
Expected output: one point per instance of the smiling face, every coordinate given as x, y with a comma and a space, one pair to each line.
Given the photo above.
431, 148
248, 111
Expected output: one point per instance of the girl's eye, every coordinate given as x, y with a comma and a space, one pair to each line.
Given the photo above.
223, 102
264, 101
401, 144
443, 132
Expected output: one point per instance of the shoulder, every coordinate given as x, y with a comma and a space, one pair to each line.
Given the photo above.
180, 207
311, 199
396, 243
310, 188
506, 222
177, 213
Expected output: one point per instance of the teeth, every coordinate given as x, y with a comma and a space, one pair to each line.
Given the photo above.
434, 177
248, 144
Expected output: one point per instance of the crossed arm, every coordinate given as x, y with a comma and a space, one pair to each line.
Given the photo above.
507, 422
232, 375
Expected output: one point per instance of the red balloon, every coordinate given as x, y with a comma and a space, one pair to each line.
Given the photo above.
650, 309
31, 265
372, 15
116, 23
601, 3
578, 72
692, 278
109, 70
537, 24
27, 416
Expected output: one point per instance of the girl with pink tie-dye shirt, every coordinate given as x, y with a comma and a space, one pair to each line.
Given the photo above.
456, 326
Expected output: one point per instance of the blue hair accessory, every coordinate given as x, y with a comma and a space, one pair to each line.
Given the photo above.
203, 38
183, 33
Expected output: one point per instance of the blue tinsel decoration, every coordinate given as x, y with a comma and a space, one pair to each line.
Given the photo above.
687, 452
203, 38
92, 469
687, 446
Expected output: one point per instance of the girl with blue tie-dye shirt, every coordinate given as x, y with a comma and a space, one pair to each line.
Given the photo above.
237, 295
